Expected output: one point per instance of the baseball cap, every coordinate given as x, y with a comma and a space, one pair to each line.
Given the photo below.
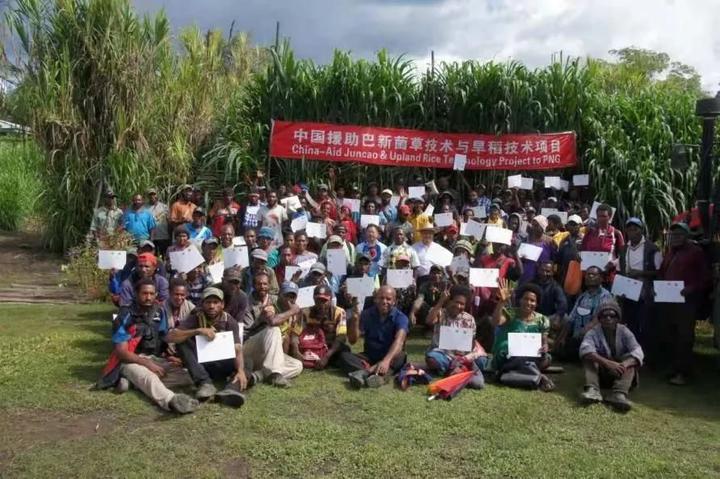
386, 191
436, 267
465, 245
147, 243
318, 268
211, 240
288, 287
152, 191
233, 274
186, 187
109, 193
542, 221
266, 232
575, 219
322, 291
260, 254
552, 198
634, 221
363, 256
680, 225
210, 292
404, 209
199, 211
334, 239
323, 186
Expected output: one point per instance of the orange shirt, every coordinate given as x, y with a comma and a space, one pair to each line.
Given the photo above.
181, 212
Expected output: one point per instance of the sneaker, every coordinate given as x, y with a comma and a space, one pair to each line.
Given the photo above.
277, 380
205, 391
591, 395
183, 404
230, 396
619, 402
122, 386
358, 379
678, 380
375, 381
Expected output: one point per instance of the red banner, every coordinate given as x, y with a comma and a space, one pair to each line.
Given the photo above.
425, 149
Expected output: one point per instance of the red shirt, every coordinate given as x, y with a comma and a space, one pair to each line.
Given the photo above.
687, 264
609, 240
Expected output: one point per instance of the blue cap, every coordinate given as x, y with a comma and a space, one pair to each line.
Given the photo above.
266, 232
634, 221
288, 287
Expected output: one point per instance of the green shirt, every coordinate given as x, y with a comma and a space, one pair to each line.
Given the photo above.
538, 324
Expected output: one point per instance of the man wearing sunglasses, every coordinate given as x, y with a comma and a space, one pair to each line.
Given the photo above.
611, 357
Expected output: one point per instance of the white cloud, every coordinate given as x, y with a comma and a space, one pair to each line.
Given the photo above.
530, 31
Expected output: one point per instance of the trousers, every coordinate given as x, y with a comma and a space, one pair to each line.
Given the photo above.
264, 351
152, 385
349, 362
600, 378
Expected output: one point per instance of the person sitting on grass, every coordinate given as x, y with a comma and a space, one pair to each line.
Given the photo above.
139, 339
611, 357
520, 371
146, 268
208, 320
450, 311
384, 328
292, 327
331, 320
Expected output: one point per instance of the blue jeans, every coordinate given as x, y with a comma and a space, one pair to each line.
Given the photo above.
438, 361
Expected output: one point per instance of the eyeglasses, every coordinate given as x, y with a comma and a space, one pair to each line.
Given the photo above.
609, 315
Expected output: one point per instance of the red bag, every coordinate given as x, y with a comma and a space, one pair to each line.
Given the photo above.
312, 346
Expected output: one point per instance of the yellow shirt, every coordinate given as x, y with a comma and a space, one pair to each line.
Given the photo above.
416, 222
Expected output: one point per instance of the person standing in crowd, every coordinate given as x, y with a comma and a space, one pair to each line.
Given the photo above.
181, 211
197, 230
330, 319
224, 211
686, 262
249, 214
138, 221
402, 221
417, 217
568, 246
107, 219
302, 254
603, 237
640, 260
182, 242
427, 234
372, 247
387, 210
160, 211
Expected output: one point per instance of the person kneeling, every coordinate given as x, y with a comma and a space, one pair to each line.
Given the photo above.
207, 321
611, 357
450, 311
140, 337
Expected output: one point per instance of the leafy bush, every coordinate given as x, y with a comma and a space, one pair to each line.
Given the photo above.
19, 182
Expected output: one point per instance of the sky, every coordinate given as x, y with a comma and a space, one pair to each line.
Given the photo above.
531, 31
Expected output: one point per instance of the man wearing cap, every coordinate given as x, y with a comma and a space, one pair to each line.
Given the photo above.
211, 251
197, 230
317, 276
236, 301
402, 221
331, 320
263, 339
568, 246
495, 215
140, 339
224, 211
387, 210
181, 211
160, 211
107, 219
258, 264
399, 247
146, 268
417, 217
291, 329
428, 295
249, 214
384, 329
148, 246
640, 260
684, 261
338, 240
427, 234
373, 247
208, 321
138, 221
265, 238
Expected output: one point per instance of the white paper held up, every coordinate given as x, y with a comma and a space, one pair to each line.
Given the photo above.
290, 271
399, 278
524, 345
443, 219
367, 220
627, 287
353, 204
495, 234
305, 297
298, 223
514, 181
553, 182
581, 180
459, 162
360, 287
529, 251
669, 291
473, 228
110, 259
429, 210
484, 277
594, 258
236, 256
479, 212
216, 271
438, 255
416, 192
316, 230
337, 262
186, 260
221, 347
526, 184
456, 339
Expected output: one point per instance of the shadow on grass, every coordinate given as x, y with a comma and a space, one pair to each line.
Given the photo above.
98, 347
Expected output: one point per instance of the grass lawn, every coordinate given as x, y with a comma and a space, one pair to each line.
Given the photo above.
54, 426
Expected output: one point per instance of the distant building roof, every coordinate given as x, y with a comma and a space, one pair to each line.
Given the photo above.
9, 127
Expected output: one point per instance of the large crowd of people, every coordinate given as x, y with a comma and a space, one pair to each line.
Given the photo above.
291, 236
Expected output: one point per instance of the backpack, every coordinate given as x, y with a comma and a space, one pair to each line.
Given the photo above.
312, 346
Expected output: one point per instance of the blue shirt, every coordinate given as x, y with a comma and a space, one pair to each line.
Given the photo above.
122, 333
584, 310
139, 223
380, 334
375, 252
200, 234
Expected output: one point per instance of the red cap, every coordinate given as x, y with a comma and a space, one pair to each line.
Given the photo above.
147, 258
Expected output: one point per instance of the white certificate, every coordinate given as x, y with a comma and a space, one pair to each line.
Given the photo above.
669, 291
524, 345
553, 182
291, 203
495, 234
529, 252
394, 201
238, 241
235, 256
306, 265
456, 339
400, 278
479, 212
252, 210
581, 180
429, 210
353, 204
554, 211
432, 186
514, 181
298, 223
485, 277
438, 255
316, 230
305, 297
459, 162
367, 220
416, 192
216, 272
186, 260
290, 271
361, 287
526, 184
593, 210
337, 261
108, 259
443, 219
594, 258
221, 347
473, 228
627, 287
